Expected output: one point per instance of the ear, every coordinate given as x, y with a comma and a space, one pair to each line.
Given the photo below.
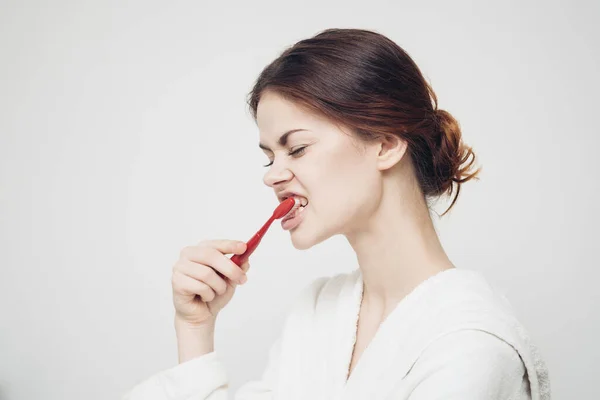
391, 150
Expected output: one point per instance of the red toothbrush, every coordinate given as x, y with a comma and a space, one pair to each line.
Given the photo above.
281, 211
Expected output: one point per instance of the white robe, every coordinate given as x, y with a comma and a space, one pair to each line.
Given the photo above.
452, 337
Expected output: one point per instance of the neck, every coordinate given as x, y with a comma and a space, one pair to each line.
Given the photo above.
397, 248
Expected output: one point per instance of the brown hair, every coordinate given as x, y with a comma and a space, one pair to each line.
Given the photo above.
363, 80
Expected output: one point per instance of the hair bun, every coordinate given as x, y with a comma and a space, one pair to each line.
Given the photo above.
452, 159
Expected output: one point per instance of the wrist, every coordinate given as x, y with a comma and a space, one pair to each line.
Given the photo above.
181, 324
194, 340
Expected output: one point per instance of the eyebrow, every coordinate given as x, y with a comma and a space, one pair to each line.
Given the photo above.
282, 140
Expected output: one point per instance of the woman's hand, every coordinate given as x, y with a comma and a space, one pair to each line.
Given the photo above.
204, 280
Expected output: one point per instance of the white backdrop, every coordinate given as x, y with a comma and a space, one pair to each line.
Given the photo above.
124, 136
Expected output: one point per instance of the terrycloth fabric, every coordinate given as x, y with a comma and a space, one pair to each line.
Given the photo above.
452, 337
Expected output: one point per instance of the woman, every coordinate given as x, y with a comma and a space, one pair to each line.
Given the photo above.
351, 127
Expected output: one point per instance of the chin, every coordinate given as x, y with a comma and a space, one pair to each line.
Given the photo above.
305, 239
301, 242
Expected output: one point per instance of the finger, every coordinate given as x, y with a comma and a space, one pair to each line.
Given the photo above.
245, 266
204, 274
189, 286
225, 246
216, 260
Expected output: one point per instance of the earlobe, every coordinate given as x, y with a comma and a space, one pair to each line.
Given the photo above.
391, 151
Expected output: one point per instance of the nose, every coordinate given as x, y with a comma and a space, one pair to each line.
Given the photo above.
276, 174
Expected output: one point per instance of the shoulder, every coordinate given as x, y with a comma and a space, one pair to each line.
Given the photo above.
465, 329
471, 347
465, 299
471, 363
460, 304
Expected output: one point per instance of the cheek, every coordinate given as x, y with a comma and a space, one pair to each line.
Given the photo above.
334, 175
344, 188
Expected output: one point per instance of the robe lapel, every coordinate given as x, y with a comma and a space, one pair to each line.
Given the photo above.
394, 348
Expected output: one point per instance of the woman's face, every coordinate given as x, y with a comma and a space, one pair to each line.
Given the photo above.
337, 174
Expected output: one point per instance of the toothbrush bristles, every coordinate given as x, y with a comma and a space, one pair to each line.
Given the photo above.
297, 204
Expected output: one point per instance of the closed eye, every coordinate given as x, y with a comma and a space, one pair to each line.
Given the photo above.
297, 152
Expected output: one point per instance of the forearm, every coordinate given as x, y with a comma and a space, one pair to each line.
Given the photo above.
203, 378
194, 341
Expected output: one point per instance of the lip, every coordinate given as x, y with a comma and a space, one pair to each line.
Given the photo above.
291, 223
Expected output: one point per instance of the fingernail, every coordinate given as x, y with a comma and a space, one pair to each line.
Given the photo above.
243, 279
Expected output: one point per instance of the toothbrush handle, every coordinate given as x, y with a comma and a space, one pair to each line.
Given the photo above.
252, 244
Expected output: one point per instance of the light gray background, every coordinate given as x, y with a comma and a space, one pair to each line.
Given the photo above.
124, 136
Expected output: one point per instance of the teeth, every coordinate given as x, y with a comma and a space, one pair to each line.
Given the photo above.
300, 201
303, 201
298, 207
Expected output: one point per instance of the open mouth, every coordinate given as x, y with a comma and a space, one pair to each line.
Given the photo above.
298, 210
